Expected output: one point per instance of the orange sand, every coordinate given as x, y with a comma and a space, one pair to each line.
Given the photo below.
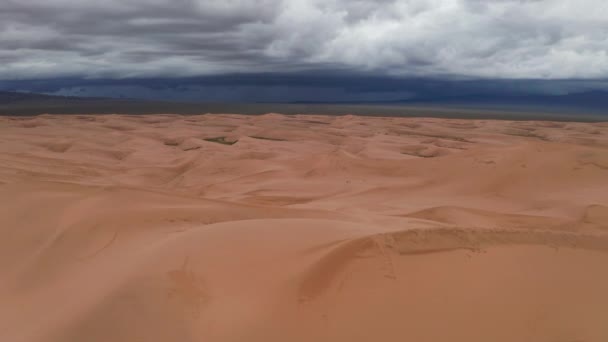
308, 228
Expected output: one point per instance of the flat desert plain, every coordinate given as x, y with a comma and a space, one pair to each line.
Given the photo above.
279, 228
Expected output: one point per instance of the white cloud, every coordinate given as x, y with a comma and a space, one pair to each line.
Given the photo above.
468, 38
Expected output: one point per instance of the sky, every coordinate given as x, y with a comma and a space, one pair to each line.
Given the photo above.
302, 50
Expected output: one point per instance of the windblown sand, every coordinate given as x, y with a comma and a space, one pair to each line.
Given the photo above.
302, 228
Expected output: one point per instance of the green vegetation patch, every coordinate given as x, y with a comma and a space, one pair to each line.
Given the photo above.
221, 140
265, 138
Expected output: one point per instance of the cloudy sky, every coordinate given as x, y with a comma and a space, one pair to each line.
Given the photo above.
560, 44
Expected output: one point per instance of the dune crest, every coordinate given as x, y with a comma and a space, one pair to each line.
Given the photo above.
302, 228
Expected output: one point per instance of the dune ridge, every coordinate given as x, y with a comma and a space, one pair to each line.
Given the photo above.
302, 228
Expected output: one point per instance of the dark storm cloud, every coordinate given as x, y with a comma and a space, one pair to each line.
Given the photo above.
544, 39
313, 86
54, 38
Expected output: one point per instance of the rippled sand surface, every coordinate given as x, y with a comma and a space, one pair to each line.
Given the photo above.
302, 228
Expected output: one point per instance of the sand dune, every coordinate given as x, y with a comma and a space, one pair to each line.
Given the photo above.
302, 228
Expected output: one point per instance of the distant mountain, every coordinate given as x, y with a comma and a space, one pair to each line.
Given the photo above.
473, 107
591, 102
15, 103
595, 101
12, 98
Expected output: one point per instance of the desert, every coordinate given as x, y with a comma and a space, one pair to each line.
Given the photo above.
272, 228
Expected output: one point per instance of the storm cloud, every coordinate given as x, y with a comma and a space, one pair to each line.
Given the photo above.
457, 39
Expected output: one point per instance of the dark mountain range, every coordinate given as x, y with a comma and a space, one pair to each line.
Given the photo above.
595, 101
528, 107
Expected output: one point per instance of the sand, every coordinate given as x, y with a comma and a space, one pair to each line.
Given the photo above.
302, 228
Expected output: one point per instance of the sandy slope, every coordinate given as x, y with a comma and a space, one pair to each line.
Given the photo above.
302, 228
